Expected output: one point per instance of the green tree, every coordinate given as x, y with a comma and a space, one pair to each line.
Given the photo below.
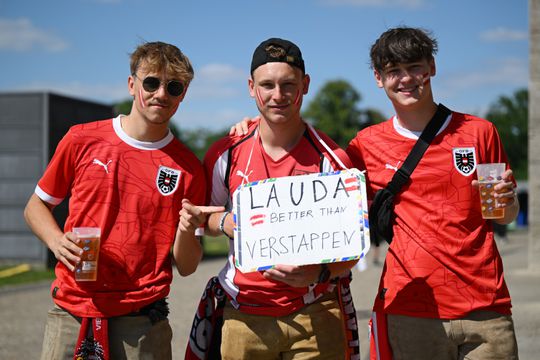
334, 110
199, 140
510, 116
123, 107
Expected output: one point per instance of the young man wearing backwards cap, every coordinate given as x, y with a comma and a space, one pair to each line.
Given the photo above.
288, 311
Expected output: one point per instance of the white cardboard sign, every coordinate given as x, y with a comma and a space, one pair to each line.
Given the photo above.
300, 220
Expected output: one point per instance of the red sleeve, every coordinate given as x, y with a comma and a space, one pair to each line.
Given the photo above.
216, 167
354, 151
56, 182
493, 149
215, 172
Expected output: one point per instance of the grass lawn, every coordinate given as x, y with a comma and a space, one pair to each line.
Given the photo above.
33, 275
215, 246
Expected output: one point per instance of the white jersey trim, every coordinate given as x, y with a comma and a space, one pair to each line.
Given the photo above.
46, 197
226, 276
415, 134
143, 145
220, 193
220, 197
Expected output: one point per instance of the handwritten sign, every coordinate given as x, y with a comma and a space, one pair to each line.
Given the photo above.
300, 220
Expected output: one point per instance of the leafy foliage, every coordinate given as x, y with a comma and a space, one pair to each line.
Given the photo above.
510, 116
123, 107
334, 111
199, 140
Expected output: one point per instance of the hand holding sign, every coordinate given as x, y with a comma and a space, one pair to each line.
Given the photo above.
294, 275
193, 216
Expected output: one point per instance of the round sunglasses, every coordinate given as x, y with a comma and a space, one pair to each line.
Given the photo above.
151, 84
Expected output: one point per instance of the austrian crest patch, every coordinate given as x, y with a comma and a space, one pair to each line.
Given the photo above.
464, 160
167, 180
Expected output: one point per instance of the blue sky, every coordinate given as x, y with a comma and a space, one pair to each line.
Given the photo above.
81, 48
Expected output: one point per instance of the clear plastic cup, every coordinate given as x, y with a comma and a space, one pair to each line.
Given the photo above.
86, 269
488, 176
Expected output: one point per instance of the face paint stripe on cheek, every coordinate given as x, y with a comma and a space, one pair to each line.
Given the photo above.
426, 78
141, 100
297, 99
259, 98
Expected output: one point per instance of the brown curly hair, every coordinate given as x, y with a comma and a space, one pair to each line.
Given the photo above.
402, 45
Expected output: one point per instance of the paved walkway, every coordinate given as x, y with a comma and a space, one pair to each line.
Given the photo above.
23, 310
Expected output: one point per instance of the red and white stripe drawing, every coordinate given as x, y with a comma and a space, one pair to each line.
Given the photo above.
257, 219
351, 184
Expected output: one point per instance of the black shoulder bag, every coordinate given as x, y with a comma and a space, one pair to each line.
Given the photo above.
381, 212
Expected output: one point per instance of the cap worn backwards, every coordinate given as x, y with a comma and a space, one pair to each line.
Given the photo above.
277, 50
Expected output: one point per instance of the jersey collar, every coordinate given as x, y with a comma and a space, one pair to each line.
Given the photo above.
415, 134
143, 145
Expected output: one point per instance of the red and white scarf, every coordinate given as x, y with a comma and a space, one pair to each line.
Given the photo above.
93, 341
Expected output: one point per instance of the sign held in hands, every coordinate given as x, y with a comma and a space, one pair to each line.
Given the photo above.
299, 220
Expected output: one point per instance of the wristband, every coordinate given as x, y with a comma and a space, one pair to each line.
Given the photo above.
222, 223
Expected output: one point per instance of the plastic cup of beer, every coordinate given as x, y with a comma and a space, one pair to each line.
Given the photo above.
488, 176
89, 239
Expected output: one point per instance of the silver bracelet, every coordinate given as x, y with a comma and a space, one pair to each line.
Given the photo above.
222, 223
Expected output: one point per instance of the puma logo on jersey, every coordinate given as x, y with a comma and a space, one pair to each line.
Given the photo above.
105, 166
244, 176
395, 168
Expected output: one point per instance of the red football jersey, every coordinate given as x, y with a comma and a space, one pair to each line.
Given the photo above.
132, 190
443, 262
234, 159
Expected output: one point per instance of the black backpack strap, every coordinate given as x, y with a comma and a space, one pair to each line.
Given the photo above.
403, 174
312, 143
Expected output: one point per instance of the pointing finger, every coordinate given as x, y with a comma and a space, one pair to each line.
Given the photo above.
211, 209
197, 210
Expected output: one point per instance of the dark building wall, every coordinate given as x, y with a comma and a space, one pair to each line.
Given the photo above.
21, 144
31, 125
65, 112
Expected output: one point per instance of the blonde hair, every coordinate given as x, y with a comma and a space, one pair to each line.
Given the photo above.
162, 57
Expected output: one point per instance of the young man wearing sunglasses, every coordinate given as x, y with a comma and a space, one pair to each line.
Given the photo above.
442, 293
287, 311
134, 180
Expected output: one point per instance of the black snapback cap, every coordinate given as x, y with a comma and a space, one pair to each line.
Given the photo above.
277, 50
